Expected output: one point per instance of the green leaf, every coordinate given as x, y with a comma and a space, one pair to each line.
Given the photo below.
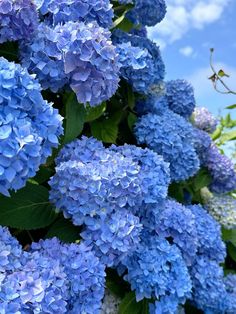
231, 107
125, 25
75, 116
131, 97
9, 50
222, 73
106, 129
119, 19
129, 305
93, 113
201, 180
217, 133
27, 209
229, 235
43, 175
229, 136
64, 230
132, 119
232, 251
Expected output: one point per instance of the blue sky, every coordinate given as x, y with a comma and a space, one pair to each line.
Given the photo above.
190, 29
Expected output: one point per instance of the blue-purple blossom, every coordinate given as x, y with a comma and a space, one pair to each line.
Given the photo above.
85, 274
114, 237
90, 61
154, 172
221, 169
83, 190
43, 58
208, 235
202, 144
171, 136
157, 269
166, 305
204, 120
18, 20
61, 11
152, 104
148, 71
29, 126
223, 209
180, 97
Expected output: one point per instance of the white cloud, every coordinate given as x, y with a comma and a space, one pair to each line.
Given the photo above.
183, 15
186, 51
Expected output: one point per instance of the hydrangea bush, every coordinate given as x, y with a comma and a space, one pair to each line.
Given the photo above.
116, 196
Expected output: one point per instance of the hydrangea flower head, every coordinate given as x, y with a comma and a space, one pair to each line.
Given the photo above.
18, 20
114, 237
43, 57
204, 120
90, 61
154, 172
171, 136
61, 11
157, 269
150, 12
29, 128
88, 189
148, 70
208, 235
221, 169
151, 104
180, 96
84, 273
223, 209
110, 303
202, 144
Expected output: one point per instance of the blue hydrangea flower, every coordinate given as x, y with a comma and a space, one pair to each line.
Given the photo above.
110, 303
61, 11
81, 190
86, 149
209, 291
204, 120
202, 144
151, 70
208, 235
223, 209
114, 237
84, 273
29, 126
180, 96
157, 269
154, 172
43, 58
152, 104
10, 252
221, 169
39, 285
171, 219
90, 61
150, 12
18, 20
166, 305
171, 136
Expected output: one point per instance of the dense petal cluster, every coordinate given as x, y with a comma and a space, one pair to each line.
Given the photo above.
202, 144
29, 128
154, 172
221, 169
114, 237
85, 274
156, 105
223, 209
90, 61
110, 303
62, 11
18, 20
166, 305
150, 12
172, 137
148, 71
204, 120
180, 96
43, 58
208, 235
157, 269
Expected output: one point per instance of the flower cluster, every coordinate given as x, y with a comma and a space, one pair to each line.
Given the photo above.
110, 303
51, 277
171, 136
58, 12
223, 209
77, 53
18, 20
204, 120
29, 128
